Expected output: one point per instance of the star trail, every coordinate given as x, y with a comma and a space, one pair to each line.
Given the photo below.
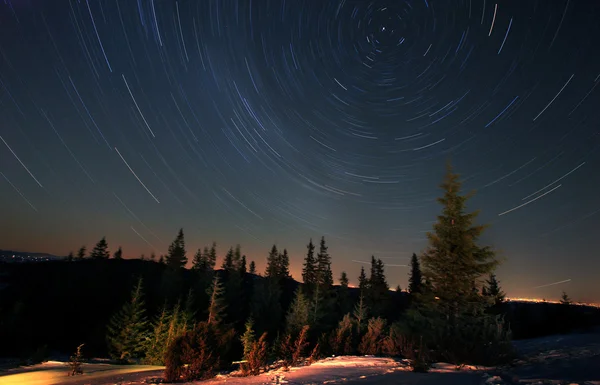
261, 122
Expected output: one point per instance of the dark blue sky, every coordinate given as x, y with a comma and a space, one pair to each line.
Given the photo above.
261, 122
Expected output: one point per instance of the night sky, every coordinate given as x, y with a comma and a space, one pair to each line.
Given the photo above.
260, 122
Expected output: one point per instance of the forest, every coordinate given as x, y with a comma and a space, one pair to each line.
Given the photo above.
201, 320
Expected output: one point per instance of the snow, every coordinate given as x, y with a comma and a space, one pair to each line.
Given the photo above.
336, 370
326, 371
54, 372
549, 360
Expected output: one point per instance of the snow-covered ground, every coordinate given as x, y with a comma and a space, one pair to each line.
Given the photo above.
571, 359
346, 369
55, 372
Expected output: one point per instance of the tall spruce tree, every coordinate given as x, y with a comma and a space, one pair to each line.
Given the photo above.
234, 293
298, 314
493, 291
100, 251
344, 279
81, 253
70, 257
451, 315
324, 274
243, 267
321, 294
565, 299
237, 257
272, 270
284, 265
248, 338
453, 261
252, 268
216, 307
228, 262
378, 292
176, 257
309, 269
118, 254
415, 280
212, 256
199, 261
127, 328
158, 339
363, 282
361, 312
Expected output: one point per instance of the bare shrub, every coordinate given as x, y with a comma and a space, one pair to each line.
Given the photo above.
292, 348
76, 361
371, 341
256, 357
195, 355
341, 338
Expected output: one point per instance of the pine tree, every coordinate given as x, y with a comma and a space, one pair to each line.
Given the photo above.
100, 251
322, 297
237, 257
451, 316
453, 260
212, 256
324, 274
415, 280
344, 279
564, 299
118, 254
309, 269
361, 312
378, 289
298, 314
167, 326
127, 328
363, 282
272, 269
243, 269
252, 269
153, 256
176, 257
283, 265
234, 293
161, 260
177, 324
228, 263
158, 340
70, 257
199, 261
216, 307
492, 290
248, 338
204, 260
344, 305
398, 289
81, 252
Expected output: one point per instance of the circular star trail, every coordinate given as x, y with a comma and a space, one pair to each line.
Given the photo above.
261, 122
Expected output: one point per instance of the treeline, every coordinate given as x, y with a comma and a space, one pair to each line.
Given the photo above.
452, 315
201, 320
